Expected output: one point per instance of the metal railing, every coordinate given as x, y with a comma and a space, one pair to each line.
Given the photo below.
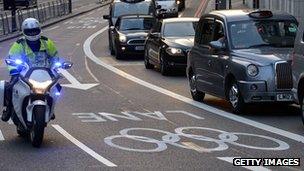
43, 12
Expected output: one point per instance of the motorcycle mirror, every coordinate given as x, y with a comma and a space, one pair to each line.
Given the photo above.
67, 65
13, 62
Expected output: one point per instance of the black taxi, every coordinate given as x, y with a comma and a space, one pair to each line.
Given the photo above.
243, 56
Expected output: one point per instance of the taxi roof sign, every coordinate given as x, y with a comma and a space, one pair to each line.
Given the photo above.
261, 14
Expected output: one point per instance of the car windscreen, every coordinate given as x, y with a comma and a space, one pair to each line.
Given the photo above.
123, 8
252, 34
180, 29
136, 24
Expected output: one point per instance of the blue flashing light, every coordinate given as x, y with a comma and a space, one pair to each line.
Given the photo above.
57, 93
58, 64
18, 62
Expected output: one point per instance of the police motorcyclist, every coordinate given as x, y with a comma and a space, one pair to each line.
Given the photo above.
35, 50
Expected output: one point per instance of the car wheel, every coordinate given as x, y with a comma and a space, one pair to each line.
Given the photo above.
164, 68
119, 55
196, 95
111, 47
302, 107
147, 63
235, 98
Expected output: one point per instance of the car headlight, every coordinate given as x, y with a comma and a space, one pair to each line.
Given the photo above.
178, 2
40, 87
174, 51
122, 38
252, 70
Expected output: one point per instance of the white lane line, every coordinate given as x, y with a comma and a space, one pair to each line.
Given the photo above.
52, 28
268, 128
253, 168
1, 136
84, 147
89, 70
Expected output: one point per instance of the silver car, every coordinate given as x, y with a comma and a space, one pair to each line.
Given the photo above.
169, 8
298, 68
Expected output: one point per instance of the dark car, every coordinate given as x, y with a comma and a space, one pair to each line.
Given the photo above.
129, 34
243, 56
181, 4
298, 68
169, 8
168, 43
124, 7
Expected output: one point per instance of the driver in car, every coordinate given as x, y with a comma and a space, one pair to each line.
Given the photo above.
33, 49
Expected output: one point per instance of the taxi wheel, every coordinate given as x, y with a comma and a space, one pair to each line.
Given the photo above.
196, 95
164, 68
119, 55
147, 63
111, 47
235, 98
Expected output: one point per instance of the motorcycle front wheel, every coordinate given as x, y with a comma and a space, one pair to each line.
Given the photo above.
37, 130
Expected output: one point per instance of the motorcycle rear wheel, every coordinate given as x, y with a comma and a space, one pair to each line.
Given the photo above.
37, 130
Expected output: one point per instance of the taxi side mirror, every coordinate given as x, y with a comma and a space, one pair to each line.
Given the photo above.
217, 45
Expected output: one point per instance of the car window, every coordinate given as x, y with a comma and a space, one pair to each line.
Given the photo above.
207, 30
219, 32
122, 8
180, 29
262, 33
136, 24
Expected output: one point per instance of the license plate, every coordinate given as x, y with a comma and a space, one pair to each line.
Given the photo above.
284, 97
139, 48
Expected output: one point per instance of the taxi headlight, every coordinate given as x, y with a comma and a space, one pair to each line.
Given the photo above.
174, 51
40, 87
122, 38
252, 70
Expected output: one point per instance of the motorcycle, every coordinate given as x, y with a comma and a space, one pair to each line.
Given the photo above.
34, 97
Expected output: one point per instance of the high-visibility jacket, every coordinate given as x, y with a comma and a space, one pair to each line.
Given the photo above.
46, 55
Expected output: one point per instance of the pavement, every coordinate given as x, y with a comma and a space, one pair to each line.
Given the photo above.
136, 119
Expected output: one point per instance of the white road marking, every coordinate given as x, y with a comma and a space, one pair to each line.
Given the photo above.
265, 127
10, 122
89, 70
253, 168
52, 28
84, 147
74, 82
1, 136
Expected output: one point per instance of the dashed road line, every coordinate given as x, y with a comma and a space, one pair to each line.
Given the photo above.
219, 112
84, 147
1, 136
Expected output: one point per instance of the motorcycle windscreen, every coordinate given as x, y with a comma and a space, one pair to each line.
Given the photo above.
40, 80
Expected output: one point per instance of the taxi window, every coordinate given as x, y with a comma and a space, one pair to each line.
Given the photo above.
249, 34
207, 30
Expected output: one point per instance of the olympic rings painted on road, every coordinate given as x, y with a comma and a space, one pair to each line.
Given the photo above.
224, 139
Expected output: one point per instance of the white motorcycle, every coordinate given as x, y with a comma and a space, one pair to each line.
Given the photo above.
34, 98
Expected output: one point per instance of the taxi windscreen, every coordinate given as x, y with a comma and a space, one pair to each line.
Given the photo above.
123, 8
251, 34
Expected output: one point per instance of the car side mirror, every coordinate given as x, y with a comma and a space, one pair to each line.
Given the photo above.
155, 35
158, 7
67, 65
217, 45
106, 17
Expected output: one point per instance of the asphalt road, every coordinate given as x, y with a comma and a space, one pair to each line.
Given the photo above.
136, 119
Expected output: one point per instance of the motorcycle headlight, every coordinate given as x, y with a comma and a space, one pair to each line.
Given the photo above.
122, 38
40, 87
174, 51
252, 70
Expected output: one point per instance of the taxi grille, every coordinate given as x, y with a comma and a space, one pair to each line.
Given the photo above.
284, 76
136, 42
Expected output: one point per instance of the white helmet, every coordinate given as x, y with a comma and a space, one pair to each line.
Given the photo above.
31, 29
